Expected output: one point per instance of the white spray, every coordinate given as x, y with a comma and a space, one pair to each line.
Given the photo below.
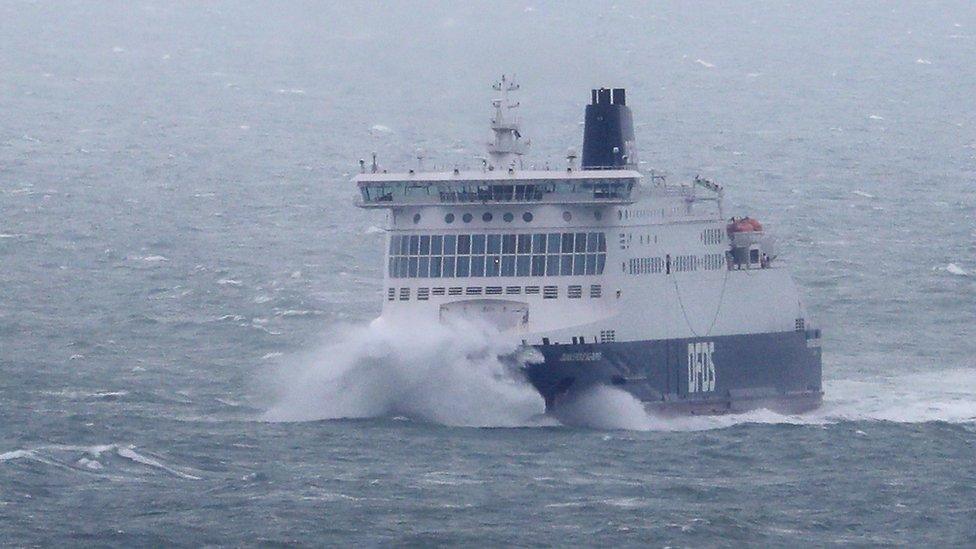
452, 375
421, 370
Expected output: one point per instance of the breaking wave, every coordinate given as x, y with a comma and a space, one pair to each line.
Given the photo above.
452, 375
428, 372
93, 459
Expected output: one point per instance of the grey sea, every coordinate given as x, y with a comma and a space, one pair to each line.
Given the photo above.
187, 352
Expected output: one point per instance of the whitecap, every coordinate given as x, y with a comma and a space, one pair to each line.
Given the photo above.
230, 282
110, 394
566, 504
297, 312
130, 454
876, 117
380, 128
152, 258
235, 318
15, 454
626, 503
862, 193
269, 356
921, 61
90, 464
952, 268
704, 63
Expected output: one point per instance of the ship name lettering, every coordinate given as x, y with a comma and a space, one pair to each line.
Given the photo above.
701, 368
580, 357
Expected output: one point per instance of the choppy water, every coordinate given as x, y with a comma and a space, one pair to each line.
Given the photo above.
186, 288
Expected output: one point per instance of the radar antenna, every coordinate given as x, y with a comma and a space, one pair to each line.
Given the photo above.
508, 145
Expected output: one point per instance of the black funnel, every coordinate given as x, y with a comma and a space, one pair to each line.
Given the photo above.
608, 136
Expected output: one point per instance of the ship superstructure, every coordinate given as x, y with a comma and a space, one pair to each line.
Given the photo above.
614, 277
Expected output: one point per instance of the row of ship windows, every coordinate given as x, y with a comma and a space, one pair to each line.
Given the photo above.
464, 266
707, 237
547, 292
475, 244
488, 191
637, 214
476, 255
487, 217
712, 236
676, 264
606, 336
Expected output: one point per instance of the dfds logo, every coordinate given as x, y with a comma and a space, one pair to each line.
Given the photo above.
701, 369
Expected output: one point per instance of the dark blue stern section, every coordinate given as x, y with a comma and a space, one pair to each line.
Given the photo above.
710, 375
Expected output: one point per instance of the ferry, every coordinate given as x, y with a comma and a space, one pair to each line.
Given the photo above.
616, 277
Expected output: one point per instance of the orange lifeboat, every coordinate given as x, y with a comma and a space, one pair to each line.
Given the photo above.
745, 225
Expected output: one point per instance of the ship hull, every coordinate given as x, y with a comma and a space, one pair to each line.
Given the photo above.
780, 371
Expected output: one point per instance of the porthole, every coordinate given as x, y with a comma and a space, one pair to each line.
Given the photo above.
467, 218
486, 217
508, 217
567, 216
416, 218
449, 218
527, 217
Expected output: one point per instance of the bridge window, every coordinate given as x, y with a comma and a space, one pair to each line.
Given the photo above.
480, 191
493, 255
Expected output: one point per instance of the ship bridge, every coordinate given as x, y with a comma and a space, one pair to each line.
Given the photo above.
387, 190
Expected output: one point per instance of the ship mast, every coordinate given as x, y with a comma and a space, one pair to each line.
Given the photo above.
508, 146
